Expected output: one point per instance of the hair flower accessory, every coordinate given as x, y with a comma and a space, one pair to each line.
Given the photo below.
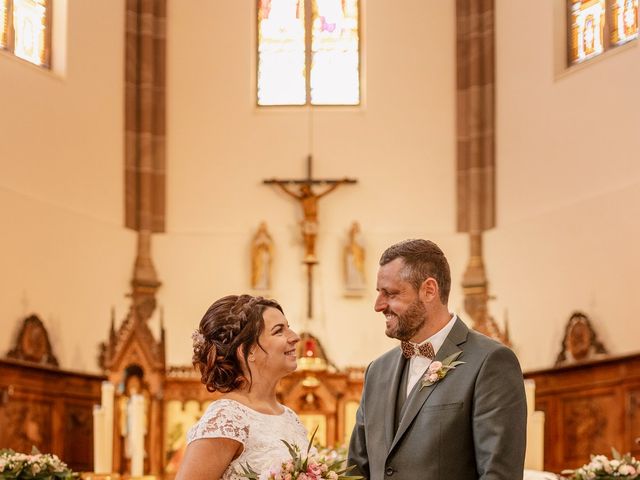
438, 370
198, 341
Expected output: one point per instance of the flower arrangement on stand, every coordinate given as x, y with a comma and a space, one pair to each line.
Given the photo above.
313, 465
602, 468
37, 466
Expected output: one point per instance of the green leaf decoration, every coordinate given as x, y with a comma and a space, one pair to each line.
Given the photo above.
451, 358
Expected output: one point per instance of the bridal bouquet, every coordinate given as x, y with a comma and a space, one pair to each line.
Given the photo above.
308, 466
600, 467
37, 466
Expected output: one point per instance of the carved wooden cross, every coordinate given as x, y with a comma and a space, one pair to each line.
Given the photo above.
308, 199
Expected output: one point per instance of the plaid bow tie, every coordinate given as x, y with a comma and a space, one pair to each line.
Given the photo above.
411, 350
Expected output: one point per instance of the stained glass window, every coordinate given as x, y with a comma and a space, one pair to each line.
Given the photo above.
624, 15
26, 29
281, 52
3, 23
335, 53
587, 29
598, 25
308, 52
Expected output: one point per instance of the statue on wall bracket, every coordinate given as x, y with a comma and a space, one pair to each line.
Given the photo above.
33, 344
580, 342
353, 263
261, 259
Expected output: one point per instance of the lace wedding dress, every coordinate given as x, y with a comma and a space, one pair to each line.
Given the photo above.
260, 434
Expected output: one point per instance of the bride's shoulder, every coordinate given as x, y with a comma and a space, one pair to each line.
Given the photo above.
223, 418
293, 416
225, 407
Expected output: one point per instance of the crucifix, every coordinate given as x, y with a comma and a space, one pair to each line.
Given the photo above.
308, 199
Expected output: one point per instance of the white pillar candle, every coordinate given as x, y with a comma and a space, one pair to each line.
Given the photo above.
530, 392
136, 432
107, 407
534, 459
98, 440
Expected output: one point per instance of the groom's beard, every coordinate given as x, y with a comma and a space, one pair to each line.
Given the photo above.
408, 323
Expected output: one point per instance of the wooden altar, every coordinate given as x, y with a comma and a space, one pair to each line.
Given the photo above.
50, 409
589, 408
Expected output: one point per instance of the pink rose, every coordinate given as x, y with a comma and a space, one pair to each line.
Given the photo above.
433, 377
435, 366
313, 469
627, 470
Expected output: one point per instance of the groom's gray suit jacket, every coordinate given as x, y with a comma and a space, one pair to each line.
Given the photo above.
470, 425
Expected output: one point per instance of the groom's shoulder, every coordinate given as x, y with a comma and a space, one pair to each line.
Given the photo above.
386, 358
486, 347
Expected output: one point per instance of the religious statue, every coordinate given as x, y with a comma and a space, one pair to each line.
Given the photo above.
309, 201
580, 341
33, 343
261, 258
589, 35
354, 255
133, 384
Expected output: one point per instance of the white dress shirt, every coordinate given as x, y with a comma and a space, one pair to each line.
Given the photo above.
418, 364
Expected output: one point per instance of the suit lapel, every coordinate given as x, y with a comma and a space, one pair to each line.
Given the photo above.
397, 367
417, 398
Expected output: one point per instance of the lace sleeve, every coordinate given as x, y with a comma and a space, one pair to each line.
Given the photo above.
221, 420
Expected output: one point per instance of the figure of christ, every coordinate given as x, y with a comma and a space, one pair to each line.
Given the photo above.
309, 201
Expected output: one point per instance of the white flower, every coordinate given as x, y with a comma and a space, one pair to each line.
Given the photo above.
627, 470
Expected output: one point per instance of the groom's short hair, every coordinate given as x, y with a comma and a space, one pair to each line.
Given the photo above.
422, 259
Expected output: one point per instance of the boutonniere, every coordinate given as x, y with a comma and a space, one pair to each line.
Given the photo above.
438, 370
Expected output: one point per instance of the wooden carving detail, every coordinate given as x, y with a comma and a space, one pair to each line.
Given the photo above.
78, 435
580, 341
633, 400
28, 424
33, 344
587, 427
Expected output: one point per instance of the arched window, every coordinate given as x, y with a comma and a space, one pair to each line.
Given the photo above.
308, 52
25, 29
596, 26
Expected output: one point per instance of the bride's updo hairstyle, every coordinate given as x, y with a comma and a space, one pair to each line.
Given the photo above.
231, 322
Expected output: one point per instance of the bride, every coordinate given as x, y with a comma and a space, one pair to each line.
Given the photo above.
242, 348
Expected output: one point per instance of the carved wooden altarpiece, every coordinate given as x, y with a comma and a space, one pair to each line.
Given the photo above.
135, 362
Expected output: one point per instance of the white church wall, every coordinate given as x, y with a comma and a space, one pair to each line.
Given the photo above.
65, 255
567, 193
568, 186
399, 145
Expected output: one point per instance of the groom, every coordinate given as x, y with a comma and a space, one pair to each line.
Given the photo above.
419, 419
